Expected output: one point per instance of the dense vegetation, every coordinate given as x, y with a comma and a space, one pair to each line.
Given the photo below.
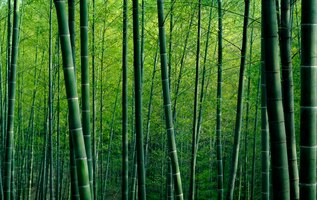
203, 99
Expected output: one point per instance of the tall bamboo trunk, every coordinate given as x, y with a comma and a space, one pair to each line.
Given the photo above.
148, 123
308, 117
72, 30
219, 107
265, 143
125, 146
11, 101
237, 132
280, 182
138, 102
50, 102
288, 97
167, 105
73, 104
58, 146
85, 113
192, 187
8, 62
94, 143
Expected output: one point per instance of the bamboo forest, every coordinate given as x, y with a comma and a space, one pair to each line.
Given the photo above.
154, 99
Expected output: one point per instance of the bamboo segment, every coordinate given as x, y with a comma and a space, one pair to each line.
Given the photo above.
308, 109
265, 139
85, 86
195, 121
167, 105
280, 180
237, 132
138, 102
288, 96
219, 107
125, 146
73, 104
8, 162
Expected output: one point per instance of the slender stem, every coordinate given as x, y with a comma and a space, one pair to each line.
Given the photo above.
219, 107
138, 102
8, 163
125, 146
167, 104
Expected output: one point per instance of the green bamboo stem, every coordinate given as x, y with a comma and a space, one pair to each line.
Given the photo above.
237, 132
85, 86
203, 87
138, 102
142, 36
265, 148
182, 64
44, 180
8, 65
73, 172
170, 195
101, 108
94, 145
11, 101
288, 97
72, 30
1, 126
31, 130
167, 105
191, 195
280, 182
125, 145
219, 107
308, 105
22, 138
58, 146
134, 178
50, 102
170, 43
255, 127
148, 122
73, 104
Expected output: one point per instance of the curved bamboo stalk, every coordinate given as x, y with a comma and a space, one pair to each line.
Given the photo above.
73, 104
167, 105
72, 31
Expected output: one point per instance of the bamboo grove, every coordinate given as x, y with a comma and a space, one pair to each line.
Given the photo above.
198, 99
